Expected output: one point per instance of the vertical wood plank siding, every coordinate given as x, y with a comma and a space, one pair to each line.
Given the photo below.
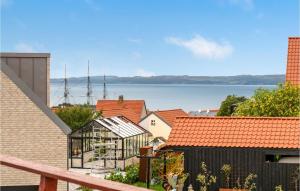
243, 161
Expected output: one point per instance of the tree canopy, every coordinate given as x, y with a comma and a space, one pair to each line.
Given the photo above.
281, 102
77, 116
229, 104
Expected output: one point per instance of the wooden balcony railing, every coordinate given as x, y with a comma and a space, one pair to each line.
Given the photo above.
50, 175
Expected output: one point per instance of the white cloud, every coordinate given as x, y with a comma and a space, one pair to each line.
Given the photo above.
23, 47
202, 47
136, 55
92, 4
246, 4
135, 40
5, 3
144, 73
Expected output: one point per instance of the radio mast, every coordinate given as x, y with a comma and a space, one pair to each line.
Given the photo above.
66, 89
89, 87
104, 88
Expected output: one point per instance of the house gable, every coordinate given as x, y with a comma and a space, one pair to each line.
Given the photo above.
29, 130
160, 128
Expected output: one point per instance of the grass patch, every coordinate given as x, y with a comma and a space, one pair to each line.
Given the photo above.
156, 187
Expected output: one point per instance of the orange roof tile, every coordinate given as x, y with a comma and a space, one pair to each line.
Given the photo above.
169, 116
132, 109
293, 61
255, 132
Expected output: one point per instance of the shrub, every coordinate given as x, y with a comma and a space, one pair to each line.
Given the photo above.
132, 174
225, 172
278, 188
205, 178
115, 176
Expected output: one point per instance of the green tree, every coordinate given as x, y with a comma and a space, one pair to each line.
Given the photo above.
76, 116
281, 102
229, 104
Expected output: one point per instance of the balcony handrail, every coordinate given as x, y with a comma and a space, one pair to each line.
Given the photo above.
53, 173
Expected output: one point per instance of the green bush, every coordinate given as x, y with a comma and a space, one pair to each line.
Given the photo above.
115, 176
130, 176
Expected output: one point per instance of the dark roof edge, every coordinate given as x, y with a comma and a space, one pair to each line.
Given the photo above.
24, 55
35, 99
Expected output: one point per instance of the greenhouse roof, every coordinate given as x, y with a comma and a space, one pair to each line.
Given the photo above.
121, 126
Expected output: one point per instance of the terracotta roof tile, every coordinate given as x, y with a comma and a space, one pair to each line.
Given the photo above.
293, 61
257, 132
132, 109
170, 115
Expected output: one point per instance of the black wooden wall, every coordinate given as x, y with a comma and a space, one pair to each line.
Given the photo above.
243, 161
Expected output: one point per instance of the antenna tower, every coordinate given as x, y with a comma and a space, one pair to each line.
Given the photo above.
89, 87
66, 90
104, 88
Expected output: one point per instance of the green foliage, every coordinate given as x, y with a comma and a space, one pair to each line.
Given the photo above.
225, 172
115, 176
228, 105
205, 178
77, 116
130, 176
84, 188
278, 188
157, 187
281, 102
174, 164
249, 184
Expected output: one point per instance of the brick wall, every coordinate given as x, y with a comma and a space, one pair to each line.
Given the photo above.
26, 132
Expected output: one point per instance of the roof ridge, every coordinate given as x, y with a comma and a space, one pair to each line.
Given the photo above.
169, 110
238, 117
294, 37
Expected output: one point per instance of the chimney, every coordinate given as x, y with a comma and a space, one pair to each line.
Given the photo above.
121, 98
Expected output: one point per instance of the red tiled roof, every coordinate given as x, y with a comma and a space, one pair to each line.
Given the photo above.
293, 61
255, 132
169, 116
132, 109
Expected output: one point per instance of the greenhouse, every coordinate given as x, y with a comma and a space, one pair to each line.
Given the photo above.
106, 143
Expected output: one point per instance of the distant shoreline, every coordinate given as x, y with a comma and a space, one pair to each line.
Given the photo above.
181, 80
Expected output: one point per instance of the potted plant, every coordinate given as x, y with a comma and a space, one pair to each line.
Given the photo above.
205, 178
225, 174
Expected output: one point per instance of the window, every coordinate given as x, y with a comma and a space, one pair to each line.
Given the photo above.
152, 122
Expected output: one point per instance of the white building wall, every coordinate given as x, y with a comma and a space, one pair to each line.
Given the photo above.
160, 129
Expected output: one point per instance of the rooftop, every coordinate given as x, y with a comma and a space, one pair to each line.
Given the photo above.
293, 61
254, 132
169, 116
132, 109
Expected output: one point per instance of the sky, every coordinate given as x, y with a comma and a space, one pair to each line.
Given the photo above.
154, 37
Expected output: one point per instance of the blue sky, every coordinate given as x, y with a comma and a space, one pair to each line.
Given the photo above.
154, 37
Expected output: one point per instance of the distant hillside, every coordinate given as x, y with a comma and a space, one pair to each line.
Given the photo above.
217, 80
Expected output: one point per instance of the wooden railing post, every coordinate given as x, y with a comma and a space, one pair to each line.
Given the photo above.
48, 184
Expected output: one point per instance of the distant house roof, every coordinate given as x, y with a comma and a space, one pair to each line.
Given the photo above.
204, 112
132, 109
34, 98
169, 116
254, 132
293, 61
